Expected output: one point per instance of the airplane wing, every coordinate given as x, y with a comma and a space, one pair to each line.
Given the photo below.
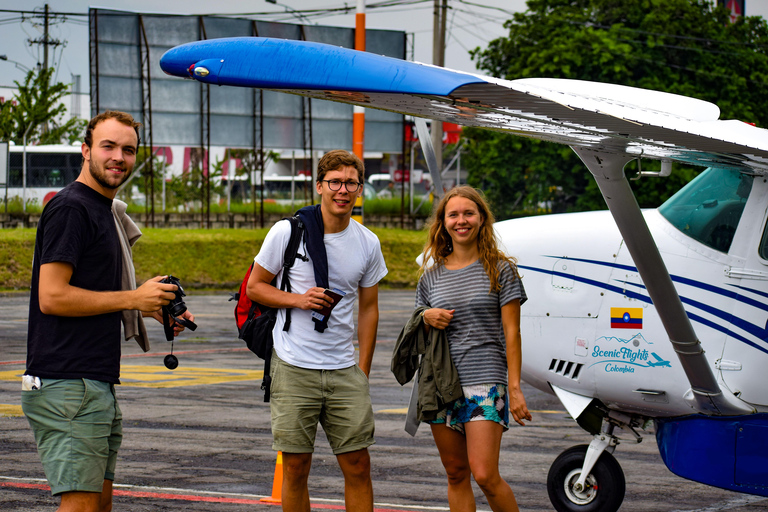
606, 125
585, 114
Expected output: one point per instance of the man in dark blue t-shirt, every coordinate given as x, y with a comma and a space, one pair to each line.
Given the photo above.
76, 303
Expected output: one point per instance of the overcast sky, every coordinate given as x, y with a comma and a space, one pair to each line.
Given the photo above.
472, 23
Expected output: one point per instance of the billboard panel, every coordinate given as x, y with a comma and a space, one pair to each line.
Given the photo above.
125, 75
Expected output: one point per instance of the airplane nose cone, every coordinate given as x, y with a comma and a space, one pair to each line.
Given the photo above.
193, 60
177, 61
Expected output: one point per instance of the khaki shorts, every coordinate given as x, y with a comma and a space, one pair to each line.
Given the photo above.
338, 399
78, 429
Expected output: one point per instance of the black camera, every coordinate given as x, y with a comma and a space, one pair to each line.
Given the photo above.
176, 307
172, 315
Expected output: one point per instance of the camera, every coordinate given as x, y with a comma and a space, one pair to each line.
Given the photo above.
172, 315
176, 307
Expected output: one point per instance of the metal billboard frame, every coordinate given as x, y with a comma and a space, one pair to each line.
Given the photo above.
125, 48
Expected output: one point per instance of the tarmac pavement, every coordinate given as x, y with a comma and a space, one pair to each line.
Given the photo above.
198, 438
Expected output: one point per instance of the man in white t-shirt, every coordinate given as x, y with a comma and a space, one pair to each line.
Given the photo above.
314, 375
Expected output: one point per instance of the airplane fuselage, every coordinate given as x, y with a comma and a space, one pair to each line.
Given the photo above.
590, 328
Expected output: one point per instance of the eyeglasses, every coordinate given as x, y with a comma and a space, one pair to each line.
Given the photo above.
335, 185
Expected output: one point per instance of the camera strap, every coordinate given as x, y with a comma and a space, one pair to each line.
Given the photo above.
167, 325
169, 321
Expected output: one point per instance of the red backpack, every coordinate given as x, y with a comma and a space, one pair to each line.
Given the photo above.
255, 321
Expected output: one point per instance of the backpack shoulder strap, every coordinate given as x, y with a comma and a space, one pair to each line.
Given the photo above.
297, 229
289, 257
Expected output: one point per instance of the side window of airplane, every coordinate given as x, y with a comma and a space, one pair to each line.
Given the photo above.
708, 209
764, 244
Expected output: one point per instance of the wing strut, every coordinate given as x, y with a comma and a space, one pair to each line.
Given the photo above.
425, 139
705, 393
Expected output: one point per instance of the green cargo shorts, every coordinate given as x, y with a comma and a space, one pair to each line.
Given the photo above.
339, 400
78, 429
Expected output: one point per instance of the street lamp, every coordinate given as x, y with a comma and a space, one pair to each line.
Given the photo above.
19, 65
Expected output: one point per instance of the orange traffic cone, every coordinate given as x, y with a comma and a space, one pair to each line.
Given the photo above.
277, 483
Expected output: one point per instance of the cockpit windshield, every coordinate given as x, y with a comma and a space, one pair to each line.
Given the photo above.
708, 208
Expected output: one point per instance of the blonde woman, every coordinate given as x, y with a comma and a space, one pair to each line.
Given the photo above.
473, 292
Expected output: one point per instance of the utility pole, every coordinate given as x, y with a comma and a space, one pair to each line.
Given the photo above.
46, 40
44, 127
358, 113
438, 59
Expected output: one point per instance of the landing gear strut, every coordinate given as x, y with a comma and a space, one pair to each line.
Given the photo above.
603, 488
587, 478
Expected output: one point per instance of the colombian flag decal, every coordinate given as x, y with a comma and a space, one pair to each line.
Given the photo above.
626, 318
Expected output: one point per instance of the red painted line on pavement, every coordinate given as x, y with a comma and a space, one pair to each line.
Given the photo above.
147, 494
22, 485
192, 497
187, 497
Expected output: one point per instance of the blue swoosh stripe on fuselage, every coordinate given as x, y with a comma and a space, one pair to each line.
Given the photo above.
756, 292
752, 329
647, 299
592, 282
696, 318
689, 282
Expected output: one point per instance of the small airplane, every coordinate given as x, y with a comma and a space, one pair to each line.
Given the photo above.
659, 361
636, 318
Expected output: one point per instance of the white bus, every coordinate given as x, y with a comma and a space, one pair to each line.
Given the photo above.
283, 188
49, 169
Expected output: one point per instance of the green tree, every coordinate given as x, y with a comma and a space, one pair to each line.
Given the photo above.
187, 190
251, 162
37, 104
6, 120
685, 47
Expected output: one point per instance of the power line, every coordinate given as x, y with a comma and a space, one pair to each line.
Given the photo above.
474, 24
324, 12
17, 19
36, 13
470, 21
485, 17
493, 7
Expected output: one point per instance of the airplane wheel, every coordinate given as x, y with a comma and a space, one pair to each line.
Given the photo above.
605, 484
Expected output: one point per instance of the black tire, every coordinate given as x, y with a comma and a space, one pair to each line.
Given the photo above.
605, 483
